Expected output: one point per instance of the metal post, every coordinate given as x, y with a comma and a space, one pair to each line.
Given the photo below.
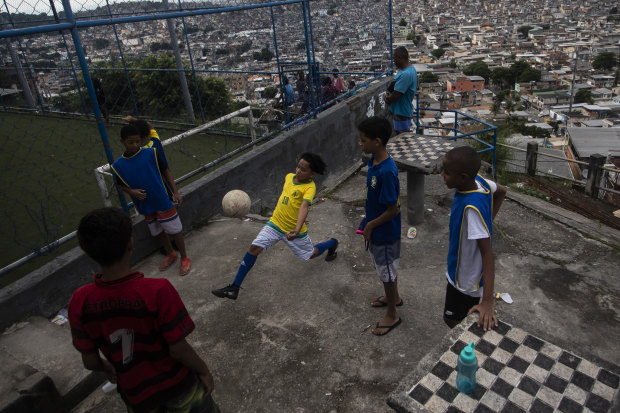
595, 173
91, 93
122, 55
310, 64
531, 158
23, 53
23, 82
251, 123
572, 87
105, 195
314, 63
391, 37
191, 62
177, 57
494, 152
280, 72
456, 123
75, 78
417, 113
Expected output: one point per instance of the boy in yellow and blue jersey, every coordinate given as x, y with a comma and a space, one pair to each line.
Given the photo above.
470, 256
287, 223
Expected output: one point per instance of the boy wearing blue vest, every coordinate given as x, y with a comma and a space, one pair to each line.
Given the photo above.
382, 222
470, 256
141, 173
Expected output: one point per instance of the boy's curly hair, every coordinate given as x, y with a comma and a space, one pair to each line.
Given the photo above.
316, 163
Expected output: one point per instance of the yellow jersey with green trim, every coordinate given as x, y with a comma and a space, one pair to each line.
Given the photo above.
293, 194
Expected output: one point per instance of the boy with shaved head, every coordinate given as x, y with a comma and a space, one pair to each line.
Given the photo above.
470, 256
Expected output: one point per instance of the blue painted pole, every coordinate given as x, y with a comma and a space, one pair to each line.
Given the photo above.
417, 113
91, 93
310, 65
317, 77
391, 37
191, 62
135, 19
280, 71
494, 152
456, 122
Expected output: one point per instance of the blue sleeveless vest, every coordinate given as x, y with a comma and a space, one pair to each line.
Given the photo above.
141, 171
482, 202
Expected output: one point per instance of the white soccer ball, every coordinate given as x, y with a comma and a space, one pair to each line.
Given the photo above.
236, 203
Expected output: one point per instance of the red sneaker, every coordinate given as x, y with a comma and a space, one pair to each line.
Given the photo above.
168, 261
186, 265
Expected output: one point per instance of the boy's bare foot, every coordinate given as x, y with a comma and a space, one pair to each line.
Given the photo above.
385, 325
382, 302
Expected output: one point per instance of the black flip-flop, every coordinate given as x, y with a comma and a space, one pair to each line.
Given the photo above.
383, 303
390, 328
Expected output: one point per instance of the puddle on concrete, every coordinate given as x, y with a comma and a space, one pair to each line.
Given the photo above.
572, 289
558, 283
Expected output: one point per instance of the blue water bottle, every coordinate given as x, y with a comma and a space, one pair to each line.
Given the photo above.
467, 366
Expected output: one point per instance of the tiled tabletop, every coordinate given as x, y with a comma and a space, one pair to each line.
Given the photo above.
419, 152
517, 372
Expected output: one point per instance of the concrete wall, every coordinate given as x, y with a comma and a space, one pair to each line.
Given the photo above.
260, 173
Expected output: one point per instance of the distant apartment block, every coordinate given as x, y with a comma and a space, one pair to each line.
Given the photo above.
465, 84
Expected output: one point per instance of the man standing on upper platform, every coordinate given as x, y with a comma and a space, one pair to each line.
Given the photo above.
401, 98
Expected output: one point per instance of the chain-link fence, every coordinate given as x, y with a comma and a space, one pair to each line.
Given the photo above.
71, 73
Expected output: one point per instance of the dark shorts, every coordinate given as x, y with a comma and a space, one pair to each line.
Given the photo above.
192, 401
457, 303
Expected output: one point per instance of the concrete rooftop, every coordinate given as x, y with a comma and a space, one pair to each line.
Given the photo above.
298, 337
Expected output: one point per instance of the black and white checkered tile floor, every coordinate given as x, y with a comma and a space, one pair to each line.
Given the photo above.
517, 373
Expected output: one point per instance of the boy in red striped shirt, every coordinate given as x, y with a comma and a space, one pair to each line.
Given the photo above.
139, 324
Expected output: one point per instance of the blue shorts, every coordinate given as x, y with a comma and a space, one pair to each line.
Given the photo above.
401, 123
385, 258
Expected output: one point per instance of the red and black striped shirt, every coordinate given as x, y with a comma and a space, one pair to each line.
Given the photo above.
133, 320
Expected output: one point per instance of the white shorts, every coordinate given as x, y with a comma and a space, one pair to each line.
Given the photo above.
302, 247
166, 221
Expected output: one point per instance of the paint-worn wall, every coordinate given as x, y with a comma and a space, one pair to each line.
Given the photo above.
260, 173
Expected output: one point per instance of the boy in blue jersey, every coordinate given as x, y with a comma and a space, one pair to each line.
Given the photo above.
382, 228
288, 223
150, 137
470, 256
141, 173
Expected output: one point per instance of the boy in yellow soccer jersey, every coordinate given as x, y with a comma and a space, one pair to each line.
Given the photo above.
287, 223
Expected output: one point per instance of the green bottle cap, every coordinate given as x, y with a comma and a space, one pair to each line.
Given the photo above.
467, 354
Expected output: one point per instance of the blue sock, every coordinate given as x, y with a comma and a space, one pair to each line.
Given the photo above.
321, 247
245, 267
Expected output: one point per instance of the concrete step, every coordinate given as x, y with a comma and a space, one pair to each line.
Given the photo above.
41, 368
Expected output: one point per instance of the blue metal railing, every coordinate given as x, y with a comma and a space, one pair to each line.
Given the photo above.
457, 133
